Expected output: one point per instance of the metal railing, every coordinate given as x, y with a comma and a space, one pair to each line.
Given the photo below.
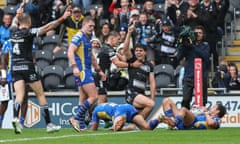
162, 90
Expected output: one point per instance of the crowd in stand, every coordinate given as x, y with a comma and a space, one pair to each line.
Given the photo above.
157, 24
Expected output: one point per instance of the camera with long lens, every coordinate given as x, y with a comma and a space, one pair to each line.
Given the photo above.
185, 37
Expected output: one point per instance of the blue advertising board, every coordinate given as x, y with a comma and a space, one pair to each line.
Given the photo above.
62, 107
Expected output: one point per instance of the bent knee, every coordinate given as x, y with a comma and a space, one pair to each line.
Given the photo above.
167, 100
152, 103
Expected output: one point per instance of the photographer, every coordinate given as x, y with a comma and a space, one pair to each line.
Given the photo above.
192, 47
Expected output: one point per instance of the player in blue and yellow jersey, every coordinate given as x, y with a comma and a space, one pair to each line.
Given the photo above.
103, 111
81, 59
185, 119
120, 114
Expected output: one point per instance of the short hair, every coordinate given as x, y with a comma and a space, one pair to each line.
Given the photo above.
87, 19
141, 46
200, 27
222, 110
113, 34
23, 18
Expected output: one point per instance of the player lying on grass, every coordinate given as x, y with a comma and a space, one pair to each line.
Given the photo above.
186, 119
120, 114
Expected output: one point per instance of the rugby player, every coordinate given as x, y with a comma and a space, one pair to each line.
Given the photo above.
81, 59
23, 69
121, 114
184, 119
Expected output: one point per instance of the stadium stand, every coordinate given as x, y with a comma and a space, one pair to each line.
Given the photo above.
52, 76
164, 75
50, 42
159, 7
68, 78
9, 9
43, 58
60, 58
232, 39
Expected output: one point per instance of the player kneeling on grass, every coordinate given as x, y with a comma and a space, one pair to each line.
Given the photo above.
186, 119
120, 114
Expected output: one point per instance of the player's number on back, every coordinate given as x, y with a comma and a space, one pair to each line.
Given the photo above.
16, 49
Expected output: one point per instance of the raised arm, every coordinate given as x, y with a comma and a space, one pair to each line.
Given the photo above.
53, 24
126, 50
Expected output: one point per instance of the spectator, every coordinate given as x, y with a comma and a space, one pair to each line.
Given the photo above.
4, 29
106, 5
232, 79
153, 16
102, 91
123, 32
176, 10
191, 49
96, 47
211, 29
145, 34
71, 26
218, 80
166, 49
222, 7
84, 4
134, 16
104, 32
123, 12
194, 15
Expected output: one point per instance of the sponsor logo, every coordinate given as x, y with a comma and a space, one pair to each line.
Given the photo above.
33, 114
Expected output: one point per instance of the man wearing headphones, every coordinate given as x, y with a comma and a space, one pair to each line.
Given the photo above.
197, 48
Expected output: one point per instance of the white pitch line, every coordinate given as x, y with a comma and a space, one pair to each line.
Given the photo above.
63, 136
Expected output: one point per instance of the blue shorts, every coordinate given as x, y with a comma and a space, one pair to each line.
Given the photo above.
85, 77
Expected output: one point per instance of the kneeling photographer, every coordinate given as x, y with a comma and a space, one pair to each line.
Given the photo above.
191, 45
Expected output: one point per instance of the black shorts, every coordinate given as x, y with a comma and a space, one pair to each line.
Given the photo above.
28, 76
130, 95
101, 86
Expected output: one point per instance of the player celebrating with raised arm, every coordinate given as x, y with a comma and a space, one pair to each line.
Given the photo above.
186, 119
81, 59
23, 70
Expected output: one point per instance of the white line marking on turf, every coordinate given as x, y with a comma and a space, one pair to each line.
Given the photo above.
63, 136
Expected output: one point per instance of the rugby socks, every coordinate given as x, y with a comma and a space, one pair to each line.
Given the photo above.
16, 109
1, 120
178, 121
22, 119
168, 113
45, 113
153, 123
80, 116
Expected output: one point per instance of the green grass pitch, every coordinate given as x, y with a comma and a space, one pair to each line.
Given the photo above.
157, 136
